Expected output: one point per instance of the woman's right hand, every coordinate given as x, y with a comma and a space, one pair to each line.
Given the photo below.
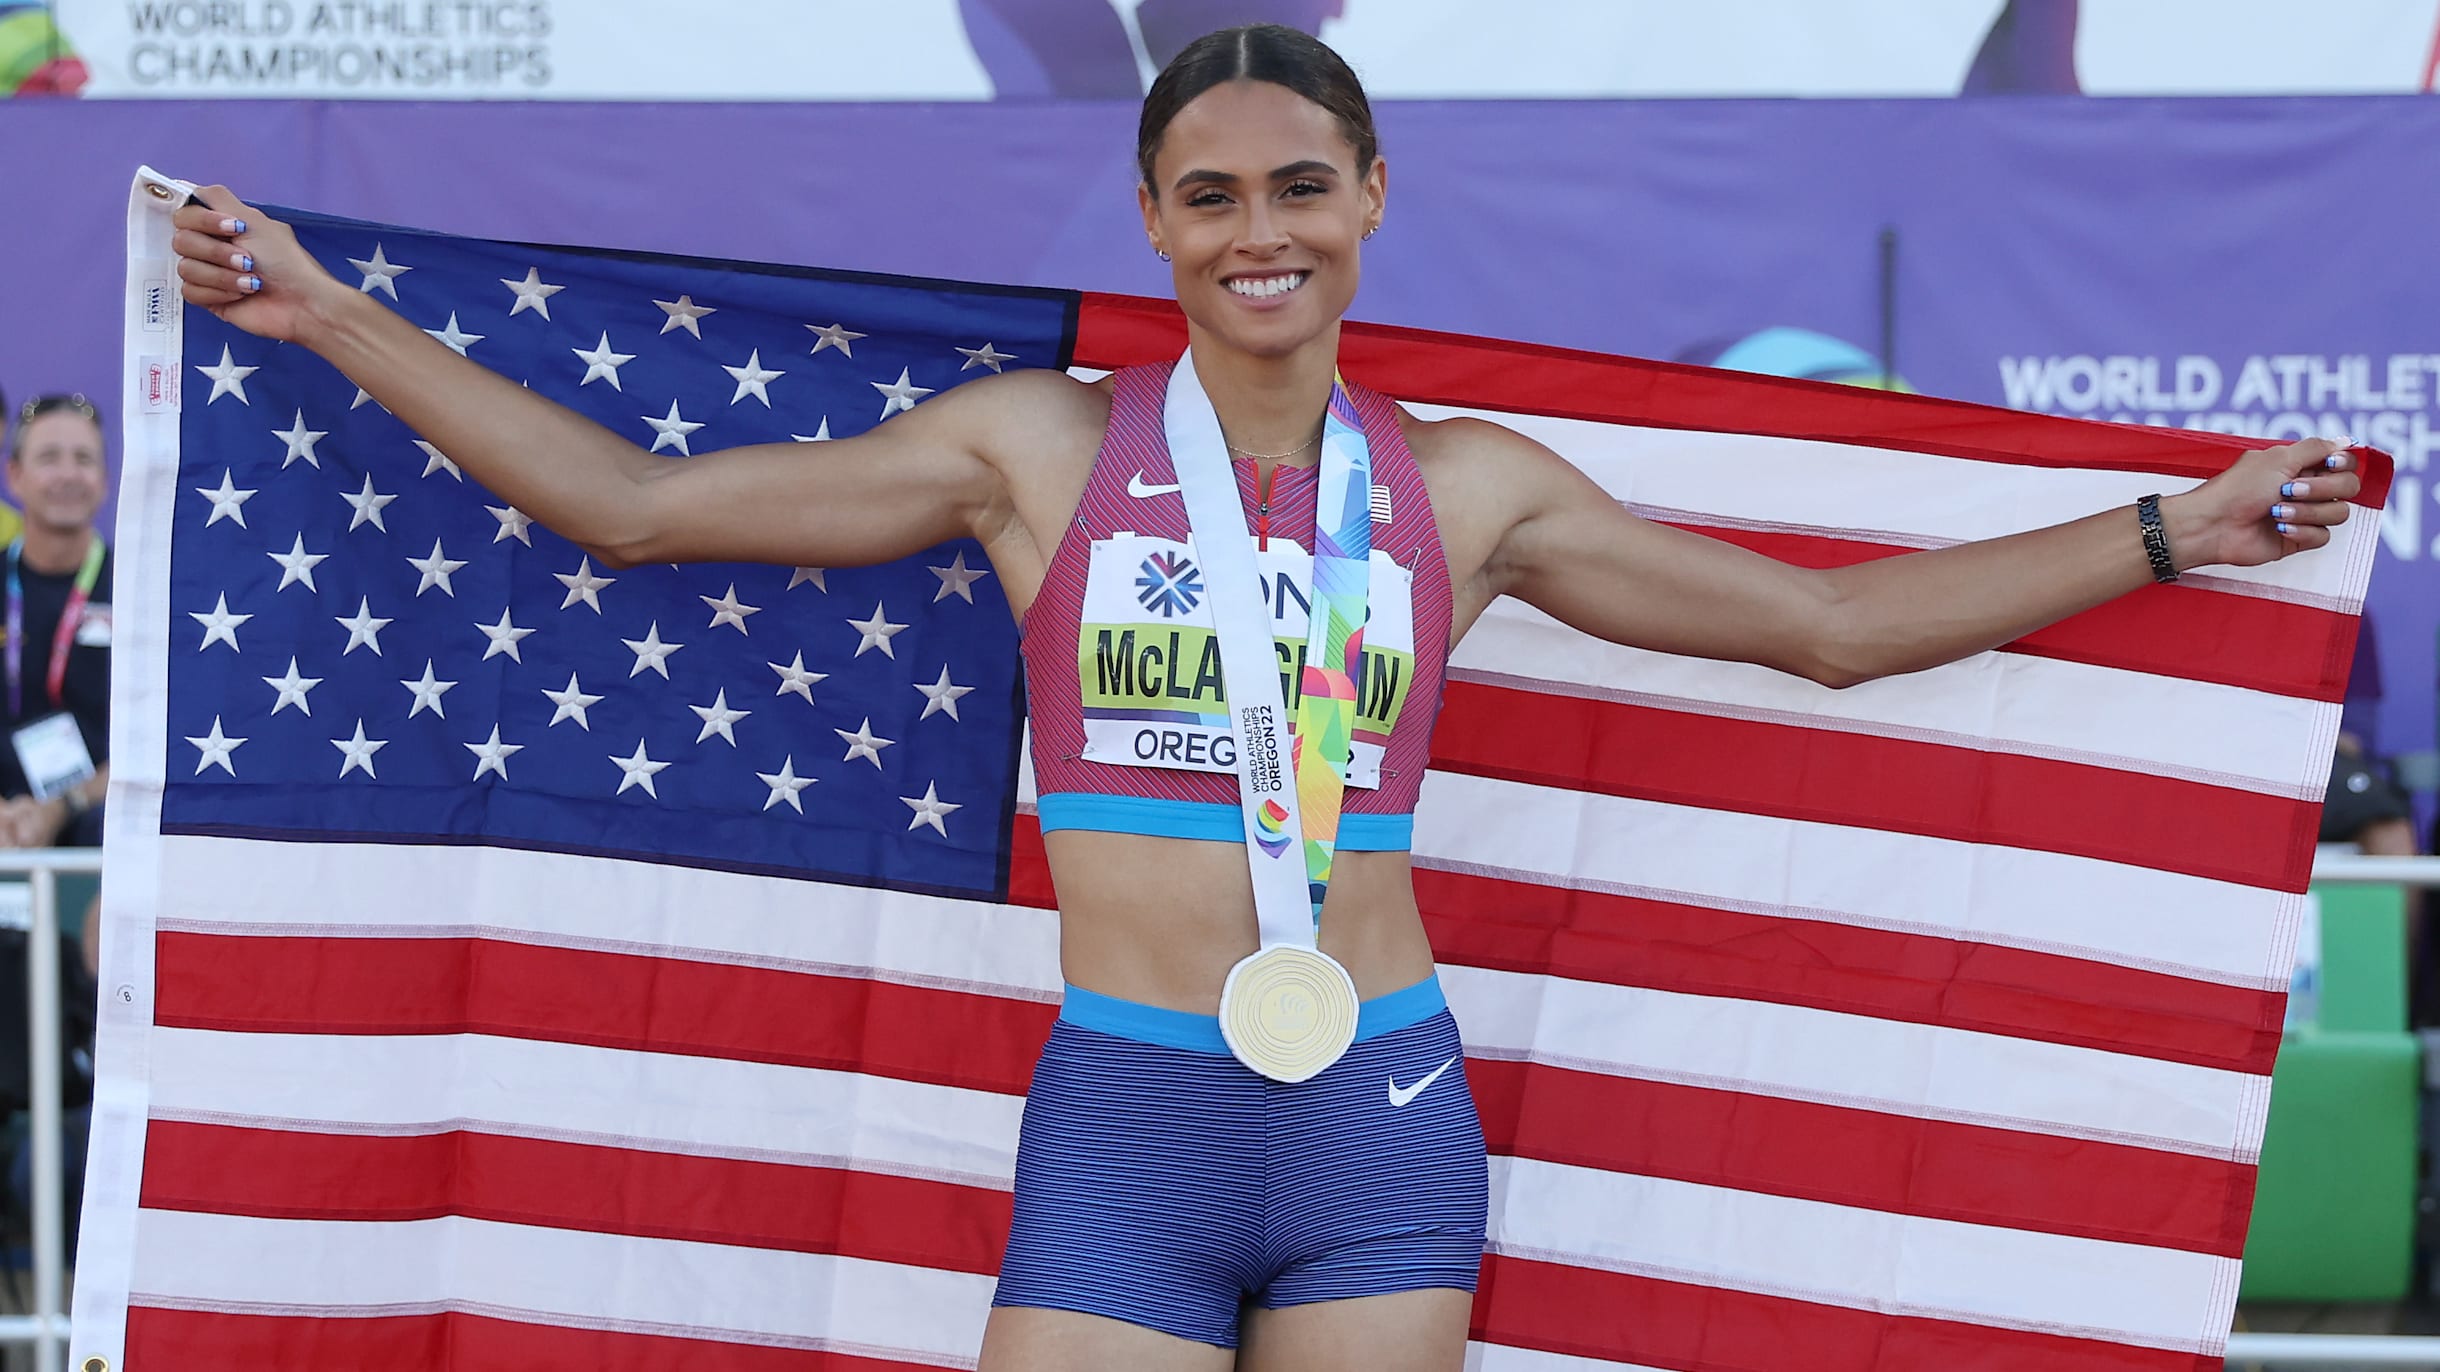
248, 268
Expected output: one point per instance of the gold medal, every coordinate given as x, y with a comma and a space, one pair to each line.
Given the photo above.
1288, 1011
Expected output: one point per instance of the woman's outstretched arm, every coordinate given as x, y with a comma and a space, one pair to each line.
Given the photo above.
930, 474
1566, 546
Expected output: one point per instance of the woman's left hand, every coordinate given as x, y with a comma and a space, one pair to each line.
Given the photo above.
2273, 502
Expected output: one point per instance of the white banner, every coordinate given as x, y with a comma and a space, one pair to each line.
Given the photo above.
1405, 49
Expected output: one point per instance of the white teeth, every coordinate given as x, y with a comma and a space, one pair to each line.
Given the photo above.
1264, 287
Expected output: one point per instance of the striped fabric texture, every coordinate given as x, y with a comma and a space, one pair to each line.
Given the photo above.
1922, 1026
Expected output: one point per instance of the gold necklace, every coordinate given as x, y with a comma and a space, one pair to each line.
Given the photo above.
1274, 457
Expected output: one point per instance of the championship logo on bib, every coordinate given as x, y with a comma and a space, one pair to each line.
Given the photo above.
1148, 660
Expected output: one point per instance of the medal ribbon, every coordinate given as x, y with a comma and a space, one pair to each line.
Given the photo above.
88, 574
1334, 643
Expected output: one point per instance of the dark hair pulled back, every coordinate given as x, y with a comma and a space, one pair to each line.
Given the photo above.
1258, 52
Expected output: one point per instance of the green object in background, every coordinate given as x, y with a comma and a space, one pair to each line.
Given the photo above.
2334, 1209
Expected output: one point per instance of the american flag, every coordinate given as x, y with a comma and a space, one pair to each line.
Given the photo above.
1922, 1026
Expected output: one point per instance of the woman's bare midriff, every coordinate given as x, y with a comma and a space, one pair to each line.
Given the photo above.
1159, 921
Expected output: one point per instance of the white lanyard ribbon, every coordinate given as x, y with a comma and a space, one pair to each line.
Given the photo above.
1249, 664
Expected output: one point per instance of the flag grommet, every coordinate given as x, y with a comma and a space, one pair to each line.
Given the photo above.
94, 1365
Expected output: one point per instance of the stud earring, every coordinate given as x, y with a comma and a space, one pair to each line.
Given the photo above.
1368, 233
1159, 254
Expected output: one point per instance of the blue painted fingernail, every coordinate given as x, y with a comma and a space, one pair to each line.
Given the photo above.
2335, 461
232, 226
2287, 528
245, 262
249, 284
2282, 512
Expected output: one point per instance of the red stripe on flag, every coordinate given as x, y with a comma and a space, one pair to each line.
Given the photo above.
296, 1175
1452, 369
2169, 631
1598, 936
1932, 1168
317, 985
211, 1341
1834, 777
1684, 1327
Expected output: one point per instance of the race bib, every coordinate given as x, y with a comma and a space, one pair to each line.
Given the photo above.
1148, 659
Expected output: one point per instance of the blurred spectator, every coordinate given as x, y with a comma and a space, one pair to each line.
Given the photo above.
2364, 807
55, 661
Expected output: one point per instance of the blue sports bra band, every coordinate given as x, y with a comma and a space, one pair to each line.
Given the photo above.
1212, 821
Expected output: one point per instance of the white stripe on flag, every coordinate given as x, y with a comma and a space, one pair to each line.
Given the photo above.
1499, 1357
1916, 496
703, 1290
2005, 702
1856, 1061
1868, 1259
419, 1083
2165, 921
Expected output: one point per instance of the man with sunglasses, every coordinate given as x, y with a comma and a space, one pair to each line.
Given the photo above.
55, 659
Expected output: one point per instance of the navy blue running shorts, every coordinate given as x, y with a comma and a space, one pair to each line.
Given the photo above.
1162, 1182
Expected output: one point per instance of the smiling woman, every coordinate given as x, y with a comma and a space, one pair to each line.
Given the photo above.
1250, 1141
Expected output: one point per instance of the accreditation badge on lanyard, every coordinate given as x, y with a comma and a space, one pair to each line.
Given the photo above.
1288, 1010
50, 750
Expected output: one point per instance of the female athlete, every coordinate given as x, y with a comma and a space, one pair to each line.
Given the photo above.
1174, 1209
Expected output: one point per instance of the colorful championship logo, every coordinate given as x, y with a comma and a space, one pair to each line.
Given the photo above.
1170, 584
1270, 830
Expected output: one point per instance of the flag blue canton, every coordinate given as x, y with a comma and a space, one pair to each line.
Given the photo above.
844, 724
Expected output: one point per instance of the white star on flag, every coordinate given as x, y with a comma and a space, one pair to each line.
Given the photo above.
651, 652
491, 755
958, 579
717, 717
219, 626
863, 743
533, 295
363, 395
602, 364
683, 313
929, 810
217, 746
571, 704
984, 356
637, 770
900, 394
297, 565
435, 462
363, 629
819, 435
834, 336
455, 339
672, 431
228, 502
513, 524
584, 585
752, 378
784, 784
358, 751
877, 631
380, 274
367, 504
436, 569
728, 609
428, 691
292, 689
803, 575
503, 638
300, 441
228, 378
794, 678
940, 697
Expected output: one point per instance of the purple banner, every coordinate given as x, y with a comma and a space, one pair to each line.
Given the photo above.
2239, 264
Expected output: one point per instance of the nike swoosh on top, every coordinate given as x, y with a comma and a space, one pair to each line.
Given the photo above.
1142, 490
1398, 1098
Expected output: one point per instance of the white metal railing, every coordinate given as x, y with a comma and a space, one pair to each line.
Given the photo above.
47, 1328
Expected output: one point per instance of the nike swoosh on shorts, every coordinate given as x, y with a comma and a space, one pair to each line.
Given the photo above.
1141, 490
1398, 1098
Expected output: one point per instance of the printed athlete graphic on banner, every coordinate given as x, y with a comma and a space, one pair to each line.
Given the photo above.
1149, 663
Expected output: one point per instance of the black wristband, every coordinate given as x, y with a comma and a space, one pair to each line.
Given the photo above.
2155, 539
